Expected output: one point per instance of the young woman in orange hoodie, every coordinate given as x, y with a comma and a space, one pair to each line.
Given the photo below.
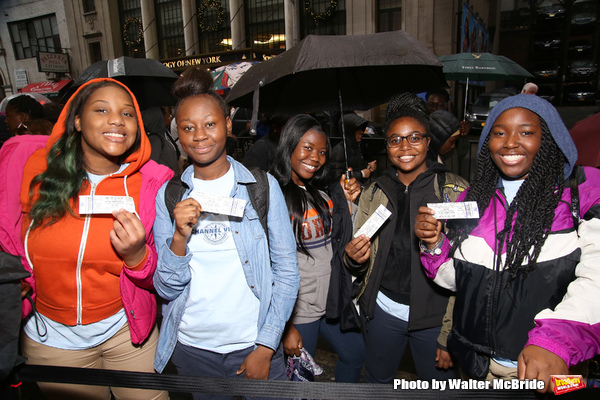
92, 269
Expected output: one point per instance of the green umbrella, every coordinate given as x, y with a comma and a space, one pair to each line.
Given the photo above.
481, 67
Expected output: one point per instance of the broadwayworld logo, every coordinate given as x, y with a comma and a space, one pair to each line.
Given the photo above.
468, 384
567, 383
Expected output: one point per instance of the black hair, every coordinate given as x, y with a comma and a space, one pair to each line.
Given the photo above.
296, 198
530, 214
406, 104
441, 92
26, 104
196, 81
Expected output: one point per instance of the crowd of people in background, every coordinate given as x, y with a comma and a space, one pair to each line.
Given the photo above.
254, 259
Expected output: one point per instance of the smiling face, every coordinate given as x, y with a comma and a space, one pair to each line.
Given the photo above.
108, 127
409, 160
309, 156
515, 139
202, 128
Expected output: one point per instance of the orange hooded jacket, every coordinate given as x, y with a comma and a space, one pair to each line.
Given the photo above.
79, 277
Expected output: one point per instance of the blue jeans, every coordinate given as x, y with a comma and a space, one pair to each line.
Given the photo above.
386, 338
349, 346
197, 362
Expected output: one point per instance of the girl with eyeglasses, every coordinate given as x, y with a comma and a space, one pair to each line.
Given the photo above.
399, 305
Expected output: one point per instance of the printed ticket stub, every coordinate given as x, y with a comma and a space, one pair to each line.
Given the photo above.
374, 222
216, 204
105, 204
460, 210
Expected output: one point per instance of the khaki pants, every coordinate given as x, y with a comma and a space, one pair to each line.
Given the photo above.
117, 353
498, 371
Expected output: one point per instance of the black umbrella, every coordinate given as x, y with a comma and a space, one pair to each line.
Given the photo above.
326, 73
365, 69
149, 80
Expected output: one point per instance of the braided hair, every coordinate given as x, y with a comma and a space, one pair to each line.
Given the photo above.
533, 205
405, 104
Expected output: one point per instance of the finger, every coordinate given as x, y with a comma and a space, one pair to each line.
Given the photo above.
425, 210
115, 239
129, 222
241, 369
521, 367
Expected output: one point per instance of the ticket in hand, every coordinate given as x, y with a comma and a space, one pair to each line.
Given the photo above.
374, 222
459, 210
105, 204
216, 204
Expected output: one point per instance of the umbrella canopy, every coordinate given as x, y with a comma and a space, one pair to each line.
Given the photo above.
149, 80
586, 135
40, 98
365, 70
482, 67
227, 75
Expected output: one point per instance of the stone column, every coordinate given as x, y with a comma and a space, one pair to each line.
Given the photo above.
237, 24
190, 27
149, 27
292, 23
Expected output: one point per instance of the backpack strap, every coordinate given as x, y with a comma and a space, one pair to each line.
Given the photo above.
173, 194
259, 196
447, 190
574, 184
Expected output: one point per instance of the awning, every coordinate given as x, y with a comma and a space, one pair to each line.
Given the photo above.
46, 87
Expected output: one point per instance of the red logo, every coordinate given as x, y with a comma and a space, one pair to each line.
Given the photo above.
567, 383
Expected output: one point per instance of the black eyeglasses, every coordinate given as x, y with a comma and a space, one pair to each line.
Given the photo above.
414, 140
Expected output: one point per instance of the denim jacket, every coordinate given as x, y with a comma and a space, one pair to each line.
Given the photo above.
274, 283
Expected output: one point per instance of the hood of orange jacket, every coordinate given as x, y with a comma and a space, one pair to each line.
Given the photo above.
137, 158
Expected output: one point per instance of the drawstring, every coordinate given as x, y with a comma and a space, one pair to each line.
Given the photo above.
127, 194
38, 320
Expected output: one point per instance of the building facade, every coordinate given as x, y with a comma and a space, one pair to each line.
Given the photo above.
208, 32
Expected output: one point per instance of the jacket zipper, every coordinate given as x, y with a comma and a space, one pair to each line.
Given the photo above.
496, 282
82, 244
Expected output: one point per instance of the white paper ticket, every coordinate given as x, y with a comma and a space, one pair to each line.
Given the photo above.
105, 204
216, 204
459, 210
374, 222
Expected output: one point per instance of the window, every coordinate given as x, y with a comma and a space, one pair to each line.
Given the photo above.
95, 52
214, 32
326, 20
265, 24
88, 6
132, 32
169, 28
33, 35
390, 13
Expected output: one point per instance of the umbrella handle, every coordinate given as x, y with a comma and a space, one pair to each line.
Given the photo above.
254, 118
466, 99
343, 131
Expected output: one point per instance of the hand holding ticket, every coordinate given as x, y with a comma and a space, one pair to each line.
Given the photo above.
374, 222
105, 204
459, 210
216, 204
